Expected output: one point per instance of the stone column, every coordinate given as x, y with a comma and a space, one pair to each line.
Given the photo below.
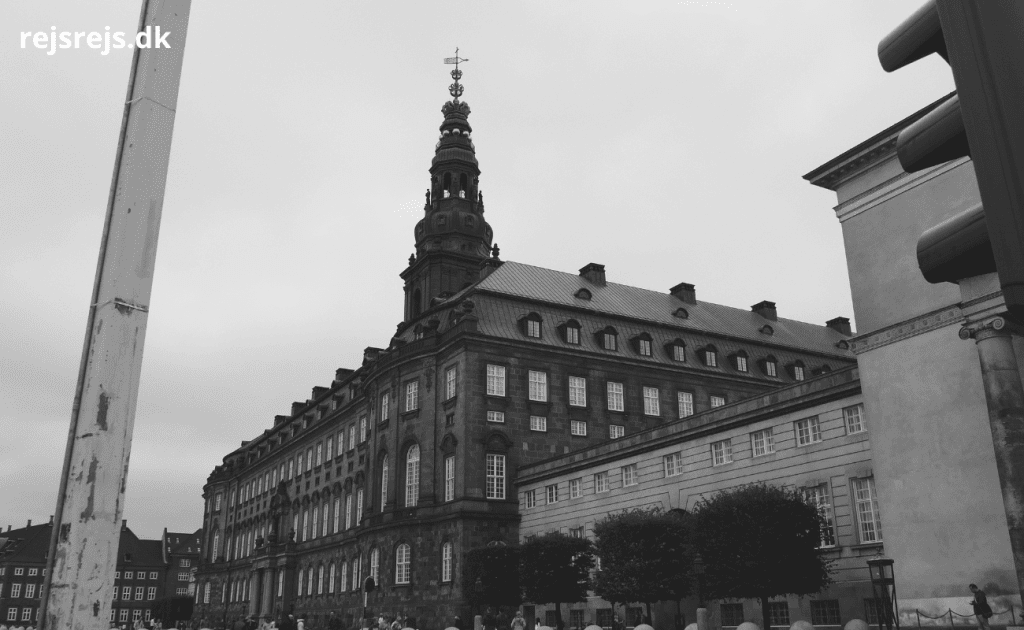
267, 602
1004, 395
254, 595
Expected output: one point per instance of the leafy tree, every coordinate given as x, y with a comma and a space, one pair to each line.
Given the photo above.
760, 541
497, 569
555, 568
646, 556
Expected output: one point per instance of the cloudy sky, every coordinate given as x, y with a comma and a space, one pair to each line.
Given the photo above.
665, 139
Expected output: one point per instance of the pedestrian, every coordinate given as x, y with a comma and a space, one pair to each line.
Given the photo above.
457, 623
982, 611
518, 623
301, 623
397, 623
490, 622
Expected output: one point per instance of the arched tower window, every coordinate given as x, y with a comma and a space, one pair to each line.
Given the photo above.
403, 563
463, 185
412, 476
375, 564
447, 185
417, 302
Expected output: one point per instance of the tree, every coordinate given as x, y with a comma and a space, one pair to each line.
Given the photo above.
760, 541
555, 568
646, 556
497, 569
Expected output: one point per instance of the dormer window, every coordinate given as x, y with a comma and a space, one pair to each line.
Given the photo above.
608, 338
797, 371
571, 330
642, 344
677, 350
583, 294
710, 356
739, 361
770, 366
531, 325
681, 313
417, 332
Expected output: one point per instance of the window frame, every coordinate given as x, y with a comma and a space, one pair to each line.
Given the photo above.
616, 428
767, 446
451, 382
630, 475
619, 396
578, 428
575, 488
537, 386
684, 400
725, 451
539, 424
449, 478
412, 395
602, 482
861, 426
499, 477
813, 433
498, 377
652, 401
577, 391
673, 463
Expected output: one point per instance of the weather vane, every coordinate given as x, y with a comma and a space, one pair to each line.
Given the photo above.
456, 89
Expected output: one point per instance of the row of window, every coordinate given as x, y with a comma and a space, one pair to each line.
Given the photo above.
140, 591
26, 614
608, 338
806, 431
315, 581
301, 462
137, 614
138, 575
577, 392
32, 571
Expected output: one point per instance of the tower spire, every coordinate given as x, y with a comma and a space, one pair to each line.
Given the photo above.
452, 239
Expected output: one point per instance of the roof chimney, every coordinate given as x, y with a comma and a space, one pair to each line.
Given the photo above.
8, 528
594, 274
279, 420
341, 373
319, 391
489, 266
51, 519
685, 292
296, 407
766, 310
840, 325
124, 523
29, 523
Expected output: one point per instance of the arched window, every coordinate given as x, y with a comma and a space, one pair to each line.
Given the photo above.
344, 576
770, 366
298, 590
383, 482
357, 567
446, 562
316, 517
337, 514
320, 581
280, 584
710, 354
359, 506
739, 361
403, 562
447, 185
330, 580
531, 325
309, 582
348, 511
412, 475
463, 185
206, 593
375, 565
327, 520
229, 592
305, 524
608, 338
417, 306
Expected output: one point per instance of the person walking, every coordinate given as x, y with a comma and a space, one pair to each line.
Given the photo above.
490, 622
982, 611
518, 622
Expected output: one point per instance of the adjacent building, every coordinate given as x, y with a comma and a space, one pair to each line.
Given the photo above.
399, 467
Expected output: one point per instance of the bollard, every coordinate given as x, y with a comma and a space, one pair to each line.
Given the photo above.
478, 622
702, 619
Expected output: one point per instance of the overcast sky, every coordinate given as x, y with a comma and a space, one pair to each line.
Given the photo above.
665, 139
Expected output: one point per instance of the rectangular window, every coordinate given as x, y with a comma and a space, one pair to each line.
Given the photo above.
216, 502
576, 617
825, 612
359, 506
538, 386
762, 442
645, 347
329, 455
129, 575
341, 444
741, 364
450, 382
449, 478
137, 614
577, 391
616, 431
629, 476
412, 395
30, 591
721, 452
495, 476
183, 577
732, 614
798, 372
538, 423
673, 464
351, 437
384, 400
770, 368
12, 614
778, 613
818, 496
530, 499
19, 571
854, 418
678, 353
533, 328
139, 592
871, 611
711, 358
609, 341
615, 399
576, 532
578, 427
16, 591
717, 401
123, 615
348, 511
362, 429
685, 404
319, 454
446, 562
496, 416
807, 431
151, 593
572, 335
552, 493
26, 614
575, 488
309, 463
601, 482
33, 572
495, 380
652, 401
867, 510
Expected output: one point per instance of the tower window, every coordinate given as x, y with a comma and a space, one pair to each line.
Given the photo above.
447, 185
463, 185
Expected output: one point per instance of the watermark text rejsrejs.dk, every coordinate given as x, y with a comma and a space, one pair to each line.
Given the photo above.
149, 37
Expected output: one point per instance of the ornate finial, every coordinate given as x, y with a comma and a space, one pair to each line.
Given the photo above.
495, 251
412, 259
456, 89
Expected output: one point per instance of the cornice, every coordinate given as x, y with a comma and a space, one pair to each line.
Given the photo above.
919, 325
890, 188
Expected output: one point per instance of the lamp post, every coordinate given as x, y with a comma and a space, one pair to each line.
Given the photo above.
702, 612
883, 587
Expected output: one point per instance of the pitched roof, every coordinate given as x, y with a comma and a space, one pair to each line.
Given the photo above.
559, 288
28, 544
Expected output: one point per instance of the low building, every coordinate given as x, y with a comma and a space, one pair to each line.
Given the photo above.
811, 436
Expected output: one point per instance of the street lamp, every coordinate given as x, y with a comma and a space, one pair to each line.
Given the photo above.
883, 587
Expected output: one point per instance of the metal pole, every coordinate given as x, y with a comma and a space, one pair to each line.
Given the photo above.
77, 587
